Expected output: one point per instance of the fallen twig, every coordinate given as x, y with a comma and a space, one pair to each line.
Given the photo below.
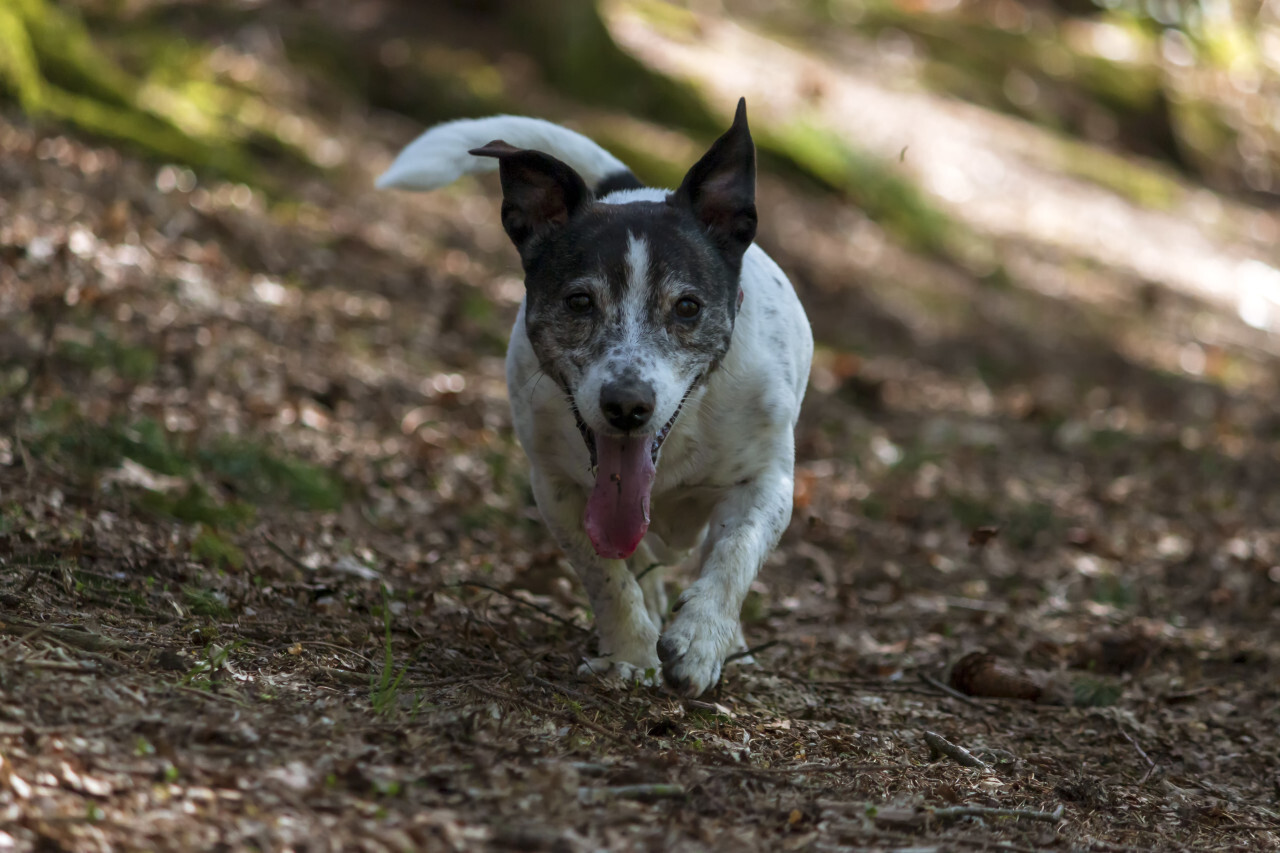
279, 549
344, 676
914, 817
938, 745
646, 570
206, 694
569, 691
79, 638
952, 812
569, 623
1151, 765
656, 791
801, 769
73, 667
337, 648
564, 713
751, 651
22, 641
952, 692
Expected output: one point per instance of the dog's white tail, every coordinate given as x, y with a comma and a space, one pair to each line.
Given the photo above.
439, 157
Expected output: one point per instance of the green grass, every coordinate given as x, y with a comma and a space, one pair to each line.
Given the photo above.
213, 549
248, 472
201, 676
205, 602
131, 363
385, 685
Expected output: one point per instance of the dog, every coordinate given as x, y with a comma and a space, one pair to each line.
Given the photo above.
655, 371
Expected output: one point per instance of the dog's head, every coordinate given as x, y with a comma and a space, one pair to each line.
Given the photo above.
629, 306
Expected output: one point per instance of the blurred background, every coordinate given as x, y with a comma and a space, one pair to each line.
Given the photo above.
1036, 240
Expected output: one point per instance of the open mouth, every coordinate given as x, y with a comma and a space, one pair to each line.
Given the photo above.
617, 513
589, 436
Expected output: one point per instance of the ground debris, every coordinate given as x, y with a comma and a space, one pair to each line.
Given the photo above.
271, 577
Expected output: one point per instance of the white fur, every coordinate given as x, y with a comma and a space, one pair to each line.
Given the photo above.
627, 353
439, 157
725, 475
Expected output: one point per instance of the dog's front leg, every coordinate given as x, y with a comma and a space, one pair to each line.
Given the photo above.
744, 528
628, 637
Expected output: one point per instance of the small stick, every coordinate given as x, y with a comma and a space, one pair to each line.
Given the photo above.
26, 458
328, 645
660, 790
952, 692
22, 641
344, 676
647, 569
76, 667
205, 694
275, 546
80, 638
751, 651
569, 623
580, 719
1151, 765
801, 769
989, 811
569, 691
940, 745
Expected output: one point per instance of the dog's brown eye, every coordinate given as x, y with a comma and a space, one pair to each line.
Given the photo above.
687, 308
578, 303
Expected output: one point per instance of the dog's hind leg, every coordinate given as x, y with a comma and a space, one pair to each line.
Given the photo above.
647, 568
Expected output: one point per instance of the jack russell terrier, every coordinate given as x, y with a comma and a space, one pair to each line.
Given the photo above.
655, 371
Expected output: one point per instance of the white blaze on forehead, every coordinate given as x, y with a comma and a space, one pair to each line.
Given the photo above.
636, 299
632, 349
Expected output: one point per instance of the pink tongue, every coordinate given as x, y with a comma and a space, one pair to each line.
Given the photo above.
618, 511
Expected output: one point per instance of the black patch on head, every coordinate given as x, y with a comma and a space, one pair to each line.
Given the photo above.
571, 246
540, 194
589, 255
623, 180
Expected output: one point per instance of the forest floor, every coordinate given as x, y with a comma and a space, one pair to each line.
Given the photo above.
271, 576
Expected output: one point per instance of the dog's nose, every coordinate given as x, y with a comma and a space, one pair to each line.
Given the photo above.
627, 405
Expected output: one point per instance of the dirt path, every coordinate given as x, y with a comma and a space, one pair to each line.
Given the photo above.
271, 578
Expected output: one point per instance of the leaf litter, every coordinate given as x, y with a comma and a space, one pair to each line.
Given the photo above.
272, 577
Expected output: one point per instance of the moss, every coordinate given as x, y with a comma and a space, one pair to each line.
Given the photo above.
252, 471
889, 198
133, 364
197, 506
205, 602
427, 81
576, 52
1142, 184
214, 550
51, 66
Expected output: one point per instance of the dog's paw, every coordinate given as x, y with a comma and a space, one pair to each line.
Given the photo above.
613, 669
693, 649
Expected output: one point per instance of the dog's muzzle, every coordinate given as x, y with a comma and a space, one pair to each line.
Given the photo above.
589, 436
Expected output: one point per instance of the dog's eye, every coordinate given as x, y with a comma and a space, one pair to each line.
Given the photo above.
578, 303
687, 308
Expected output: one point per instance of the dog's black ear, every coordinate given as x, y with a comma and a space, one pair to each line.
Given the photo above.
539, 192
720, 189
